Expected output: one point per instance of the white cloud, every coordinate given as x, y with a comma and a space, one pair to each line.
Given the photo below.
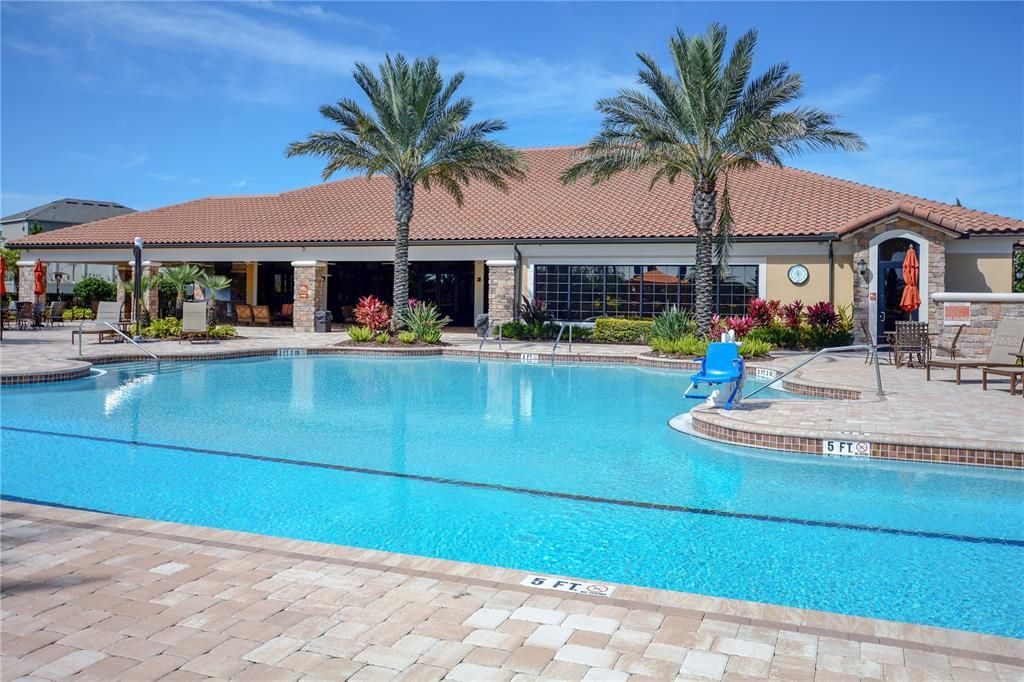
847, 95
111, 159
177, 179
318, 14
14, 202
241, 183
927, 156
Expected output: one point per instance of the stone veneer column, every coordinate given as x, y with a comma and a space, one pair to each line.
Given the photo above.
310, 292
501, 290
151, 299
27, 281
935, 276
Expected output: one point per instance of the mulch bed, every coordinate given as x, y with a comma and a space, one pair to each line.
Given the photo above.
393, 344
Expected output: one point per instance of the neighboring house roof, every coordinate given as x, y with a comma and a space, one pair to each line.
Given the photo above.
71, 211
766, 202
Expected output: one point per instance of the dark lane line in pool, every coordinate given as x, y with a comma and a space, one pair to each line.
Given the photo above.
657, 506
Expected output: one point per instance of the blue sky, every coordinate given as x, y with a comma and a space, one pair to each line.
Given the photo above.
155, 103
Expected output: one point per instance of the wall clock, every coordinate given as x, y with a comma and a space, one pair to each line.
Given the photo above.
798, 274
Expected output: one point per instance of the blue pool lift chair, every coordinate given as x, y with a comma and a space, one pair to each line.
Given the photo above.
721, 366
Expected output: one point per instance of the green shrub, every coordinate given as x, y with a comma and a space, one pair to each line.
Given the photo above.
407, 336
686, 345
777, 335
92, 289
383, 336
360, 334
616, 330
424, 320
754, 348
222, 331
78, 313
163, 328
673, 323
431, 336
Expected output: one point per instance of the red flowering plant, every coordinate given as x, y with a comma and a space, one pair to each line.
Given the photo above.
763, 312
741, 325
823, 315
792, 314
373, 313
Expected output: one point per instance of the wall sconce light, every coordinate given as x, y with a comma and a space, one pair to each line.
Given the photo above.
862, 268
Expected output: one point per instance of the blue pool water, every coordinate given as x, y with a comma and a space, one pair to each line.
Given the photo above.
568, 470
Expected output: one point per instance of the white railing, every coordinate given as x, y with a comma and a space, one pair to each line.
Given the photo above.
838, 349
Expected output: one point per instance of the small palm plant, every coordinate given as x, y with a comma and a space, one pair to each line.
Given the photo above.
216, 284
147, 283
416, 134
180, 276
701, 122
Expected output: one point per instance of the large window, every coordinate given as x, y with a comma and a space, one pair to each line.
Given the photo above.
578, 292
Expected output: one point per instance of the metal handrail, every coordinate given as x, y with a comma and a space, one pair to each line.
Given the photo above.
837, 349
133, 342
486, 336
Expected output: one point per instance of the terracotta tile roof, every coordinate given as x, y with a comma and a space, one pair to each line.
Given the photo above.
766, 202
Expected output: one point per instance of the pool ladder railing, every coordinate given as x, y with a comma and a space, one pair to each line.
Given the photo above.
486, 337
116, 330
561, 328
872, 348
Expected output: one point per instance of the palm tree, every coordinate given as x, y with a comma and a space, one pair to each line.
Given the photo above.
416, 134
216, 284
180, 276
702, 122
148, 283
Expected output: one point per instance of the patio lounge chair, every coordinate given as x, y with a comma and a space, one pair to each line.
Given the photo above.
243, 313
107, 311
1007, 341
721, 365
261, 314
193, 321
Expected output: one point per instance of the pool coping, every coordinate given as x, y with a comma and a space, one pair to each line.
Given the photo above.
708, 423
950, 642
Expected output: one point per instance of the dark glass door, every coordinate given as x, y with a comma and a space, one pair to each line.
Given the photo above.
891, 285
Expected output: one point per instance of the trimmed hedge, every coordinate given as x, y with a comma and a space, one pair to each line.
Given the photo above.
616, 330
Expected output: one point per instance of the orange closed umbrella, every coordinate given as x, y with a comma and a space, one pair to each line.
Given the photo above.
911, 299
40, 276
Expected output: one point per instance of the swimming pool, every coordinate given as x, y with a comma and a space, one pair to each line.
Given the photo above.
566, 469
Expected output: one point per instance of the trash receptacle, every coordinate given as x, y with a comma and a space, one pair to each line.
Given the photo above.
322, 320
481, 324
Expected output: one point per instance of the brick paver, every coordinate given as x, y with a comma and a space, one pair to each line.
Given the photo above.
389, 617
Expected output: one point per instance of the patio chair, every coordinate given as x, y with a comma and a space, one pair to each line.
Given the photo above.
348, 314
26, 315
951, 347
55, 314
1007, 342
243, 313
193, 321
261, 315
911, 340
721, 366
106, 312
285, 316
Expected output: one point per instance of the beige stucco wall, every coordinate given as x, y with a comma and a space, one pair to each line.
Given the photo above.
816, 288
978, 273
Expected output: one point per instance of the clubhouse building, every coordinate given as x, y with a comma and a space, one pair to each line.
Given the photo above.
618, 249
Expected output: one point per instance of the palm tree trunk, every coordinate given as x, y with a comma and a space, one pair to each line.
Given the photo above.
705, 208
404, 193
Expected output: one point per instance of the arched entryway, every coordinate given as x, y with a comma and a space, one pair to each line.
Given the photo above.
887, 253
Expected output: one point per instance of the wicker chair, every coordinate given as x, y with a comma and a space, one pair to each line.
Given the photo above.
911, 339
243, 313
261, 315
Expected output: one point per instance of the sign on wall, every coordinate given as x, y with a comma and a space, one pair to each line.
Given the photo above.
303, 291
956, 313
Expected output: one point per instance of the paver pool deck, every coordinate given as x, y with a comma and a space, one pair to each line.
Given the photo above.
91, 596
87, 595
